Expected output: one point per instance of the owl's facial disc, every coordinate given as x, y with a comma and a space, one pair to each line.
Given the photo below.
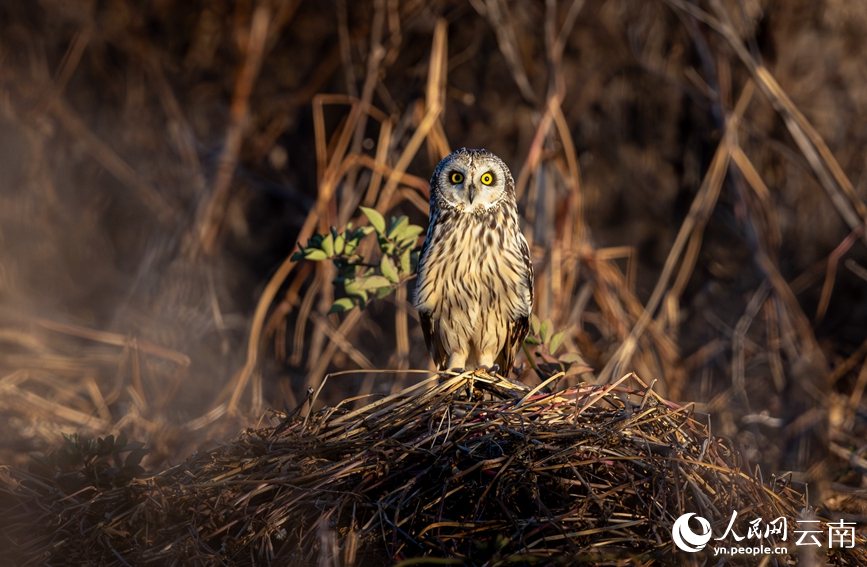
478, 184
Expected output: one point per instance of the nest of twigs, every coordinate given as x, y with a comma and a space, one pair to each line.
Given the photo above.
472, 468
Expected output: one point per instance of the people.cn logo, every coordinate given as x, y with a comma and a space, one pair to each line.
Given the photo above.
686, 539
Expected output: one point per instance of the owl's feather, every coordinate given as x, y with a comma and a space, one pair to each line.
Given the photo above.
431, 330
475, 280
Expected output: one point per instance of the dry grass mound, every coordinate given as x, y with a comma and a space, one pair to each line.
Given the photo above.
469, 468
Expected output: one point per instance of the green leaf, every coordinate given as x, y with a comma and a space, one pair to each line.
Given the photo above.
351, 245
383, 291
413, 230
545, 330
398, 225
339, 243
353, 288
571, 357
386, 246
374, 282
41, 458
328, 245
410, 235
534, 324
376, 219
406, 262
388, 269
315, 254
531, 340
135, 456
342, 304
555, 343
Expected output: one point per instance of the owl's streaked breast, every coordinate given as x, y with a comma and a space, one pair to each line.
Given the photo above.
470, 263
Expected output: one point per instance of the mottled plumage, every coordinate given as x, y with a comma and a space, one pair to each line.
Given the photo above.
474, 292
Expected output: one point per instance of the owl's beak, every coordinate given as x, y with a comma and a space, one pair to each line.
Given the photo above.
471, 192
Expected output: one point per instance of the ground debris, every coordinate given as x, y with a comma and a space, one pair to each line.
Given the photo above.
596, 474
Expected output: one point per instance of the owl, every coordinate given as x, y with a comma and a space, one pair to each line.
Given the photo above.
474, 291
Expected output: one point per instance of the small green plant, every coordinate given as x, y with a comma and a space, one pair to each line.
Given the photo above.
547, 363
360, 279
94, 461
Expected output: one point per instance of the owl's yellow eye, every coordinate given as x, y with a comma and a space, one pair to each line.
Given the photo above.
456, 177
487, 178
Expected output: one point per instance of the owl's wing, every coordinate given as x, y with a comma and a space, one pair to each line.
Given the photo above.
516, 332
431, 331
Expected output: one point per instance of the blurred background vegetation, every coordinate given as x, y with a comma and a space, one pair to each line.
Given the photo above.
691, 174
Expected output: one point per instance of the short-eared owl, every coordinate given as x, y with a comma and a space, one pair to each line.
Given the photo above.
474, 292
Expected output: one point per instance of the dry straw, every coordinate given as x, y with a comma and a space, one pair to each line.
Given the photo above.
469, 468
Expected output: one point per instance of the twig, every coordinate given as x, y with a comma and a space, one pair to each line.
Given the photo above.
254, 51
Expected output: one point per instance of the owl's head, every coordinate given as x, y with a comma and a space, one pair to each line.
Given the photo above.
470, 180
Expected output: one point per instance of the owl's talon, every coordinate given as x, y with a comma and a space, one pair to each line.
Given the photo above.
491, 370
